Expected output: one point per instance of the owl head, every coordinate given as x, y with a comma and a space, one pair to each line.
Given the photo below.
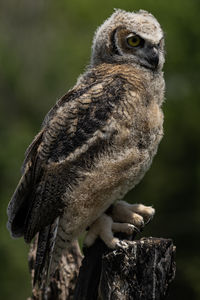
129, 37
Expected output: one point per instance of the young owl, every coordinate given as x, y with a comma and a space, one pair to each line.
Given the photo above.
95, 145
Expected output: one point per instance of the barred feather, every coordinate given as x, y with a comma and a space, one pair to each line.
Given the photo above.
45, 247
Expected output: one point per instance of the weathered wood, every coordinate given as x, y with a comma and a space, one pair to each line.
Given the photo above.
141, 271
138, 270
62, 285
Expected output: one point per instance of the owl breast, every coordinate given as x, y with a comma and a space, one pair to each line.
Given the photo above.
119, 168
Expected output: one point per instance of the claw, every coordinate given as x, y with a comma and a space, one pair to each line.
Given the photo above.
138, 230
135, 228
148, 221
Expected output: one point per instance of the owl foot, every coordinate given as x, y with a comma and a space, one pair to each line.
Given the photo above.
123, 217
104, 227
136, 214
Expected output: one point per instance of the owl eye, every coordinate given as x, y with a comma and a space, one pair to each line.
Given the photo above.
134, 41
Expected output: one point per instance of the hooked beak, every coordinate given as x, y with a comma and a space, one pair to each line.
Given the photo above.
153, 57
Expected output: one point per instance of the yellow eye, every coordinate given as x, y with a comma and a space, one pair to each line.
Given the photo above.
134, 41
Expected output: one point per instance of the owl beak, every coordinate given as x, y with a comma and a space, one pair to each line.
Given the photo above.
153, 57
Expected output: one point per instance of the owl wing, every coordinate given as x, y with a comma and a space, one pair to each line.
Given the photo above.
73, 134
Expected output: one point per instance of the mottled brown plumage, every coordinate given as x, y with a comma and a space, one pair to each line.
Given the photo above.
95, 144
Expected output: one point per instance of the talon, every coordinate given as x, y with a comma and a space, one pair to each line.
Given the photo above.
148, 221
132, 228
137, 229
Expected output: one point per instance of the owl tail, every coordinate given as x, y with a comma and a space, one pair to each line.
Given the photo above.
45, 248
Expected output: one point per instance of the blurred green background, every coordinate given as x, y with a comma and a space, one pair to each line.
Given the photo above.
44, 46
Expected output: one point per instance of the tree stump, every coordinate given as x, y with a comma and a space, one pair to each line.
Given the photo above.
138, 270
142, 270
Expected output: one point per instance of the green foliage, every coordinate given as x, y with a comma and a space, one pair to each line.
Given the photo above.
44, 46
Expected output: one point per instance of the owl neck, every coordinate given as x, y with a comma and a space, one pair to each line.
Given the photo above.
154, 81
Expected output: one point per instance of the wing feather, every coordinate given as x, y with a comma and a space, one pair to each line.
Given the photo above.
73, 133
20, 202
45, 246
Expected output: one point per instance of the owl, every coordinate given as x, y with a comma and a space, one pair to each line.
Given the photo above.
95, 145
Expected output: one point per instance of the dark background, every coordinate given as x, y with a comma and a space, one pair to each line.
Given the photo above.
44, 46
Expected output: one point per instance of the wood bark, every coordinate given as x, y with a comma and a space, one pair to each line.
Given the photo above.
62, 284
